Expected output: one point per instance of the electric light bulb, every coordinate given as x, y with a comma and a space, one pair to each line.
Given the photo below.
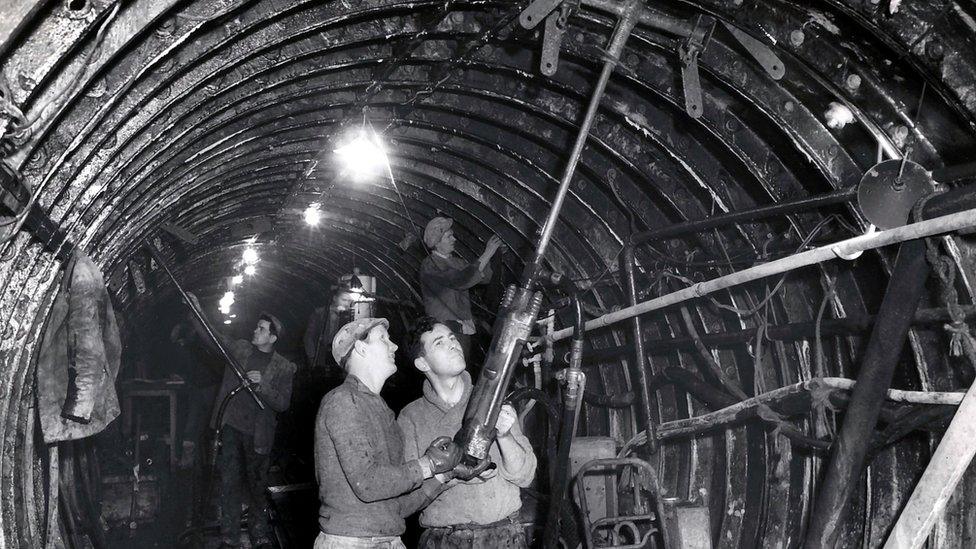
226, 301
250, 270
313, 215
362, 156
250, 256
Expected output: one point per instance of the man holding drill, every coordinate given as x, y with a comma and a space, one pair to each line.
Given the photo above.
366, 486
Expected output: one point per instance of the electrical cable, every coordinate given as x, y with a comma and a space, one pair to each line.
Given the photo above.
776, 288
76, 80
20, 218
396, 188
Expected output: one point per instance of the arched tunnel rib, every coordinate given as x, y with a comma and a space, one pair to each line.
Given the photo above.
221, 117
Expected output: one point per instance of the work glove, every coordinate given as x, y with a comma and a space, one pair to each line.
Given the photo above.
442, 455
466, 472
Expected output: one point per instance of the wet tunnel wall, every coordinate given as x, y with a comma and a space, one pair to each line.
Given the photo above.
219, 117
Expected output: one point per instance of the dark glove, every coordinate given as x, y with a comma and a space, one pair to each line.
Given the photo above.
467, 471
443, 455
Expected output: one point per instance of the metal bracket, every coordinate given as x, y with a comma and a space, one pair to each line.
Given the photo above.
556, 14
688, 53
552, 39
535, 12
759, 51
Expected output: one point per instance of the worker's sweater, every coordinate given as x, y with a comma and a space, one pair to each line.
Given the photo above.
480, 502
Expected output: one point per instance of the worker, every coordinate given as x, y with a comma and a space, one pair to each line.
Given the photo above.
365, 485
482, 512
446, 278
247, 431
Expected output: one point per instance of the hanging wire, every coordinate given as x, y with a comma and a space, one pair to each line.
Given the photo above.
467, 50
389, 172
770, 293
39, 112
18, 220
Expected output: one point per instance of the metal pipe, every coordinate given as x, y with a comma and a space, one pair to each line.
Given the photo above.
648, 17
627, 19
231, 361
840, 196
844, 248
842, 479
846, 326
640, 355
575, 386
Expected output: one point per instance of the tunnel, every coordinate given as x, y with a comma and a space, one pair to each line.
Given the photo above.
165, 138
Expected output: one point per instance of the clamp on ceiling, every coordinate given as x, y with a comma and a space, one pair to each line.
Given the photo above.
694, 34
556, 14
689, 51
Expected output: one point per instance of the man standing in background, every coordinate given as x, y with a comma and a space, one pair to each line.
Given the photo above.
446, 278
247, 432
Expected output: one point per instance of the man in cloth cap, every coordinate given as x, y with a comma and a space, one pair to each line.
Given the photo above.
482, 512
365, 485
446, 278
247, 432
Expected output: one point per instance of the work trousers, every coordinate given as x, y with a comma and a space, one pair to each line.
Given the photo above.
332, 541
243, 479
505, 534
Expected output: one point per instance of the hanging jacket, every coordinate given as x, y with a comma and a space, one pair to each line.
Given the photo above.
79, 357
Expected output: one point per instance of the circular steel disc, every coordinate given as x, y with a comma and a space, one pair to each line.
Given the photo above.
886, 199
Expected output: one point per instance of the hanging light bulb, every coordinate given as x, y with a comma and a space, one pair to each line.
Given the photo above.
237, 279
250, 256
313, 215
362, 155
250, 270
226, 301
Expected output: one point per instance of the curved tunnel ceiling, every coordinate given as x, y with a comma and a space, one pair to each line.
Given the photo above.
221, 117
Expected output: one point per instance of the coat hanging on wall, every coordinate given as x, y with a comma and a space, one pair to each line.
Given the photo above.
79, 357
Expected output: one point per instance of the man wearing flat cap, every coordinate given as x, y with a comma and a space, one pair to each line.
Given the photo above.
247, 431
365, 486
446, 278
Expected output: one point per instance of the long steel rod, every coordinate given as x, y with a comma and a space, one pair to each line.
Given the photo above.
850, 448
640, 354
841, 196
794, 331
628, 18
653, 19
231, 361
921, 229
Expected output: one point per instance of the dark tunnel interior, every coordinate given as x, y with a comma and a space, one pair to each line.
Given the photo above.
730, 134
